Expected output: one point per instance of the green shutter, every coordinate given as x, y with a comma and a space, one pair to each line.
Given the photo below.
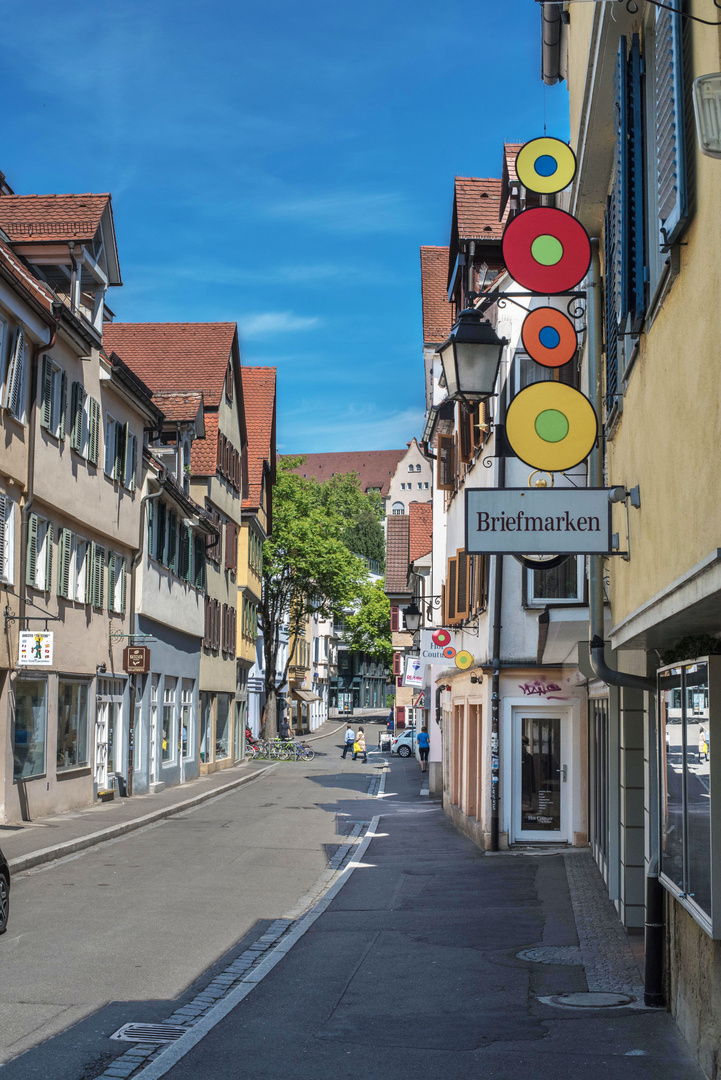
49, 557
133, 462
119, 466
76, 416
93, 431
199, 562
100, 555
111, 581
46, 389
63, 402
123, 585
89, 560
160, 553
173, 541
151, 553
64, 551
32, 552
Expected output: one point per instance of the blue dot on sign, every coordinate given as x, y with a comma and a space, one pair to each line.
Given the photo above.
546, 165
549, 337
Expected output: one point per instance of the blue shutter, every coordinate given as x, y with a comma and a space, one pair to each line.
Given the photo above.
670, 111
636, 236
620, 199
610, 309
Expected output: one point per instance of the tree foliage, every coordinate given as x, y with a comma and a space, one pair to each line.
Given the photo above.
368, 629
361, 512
307, 566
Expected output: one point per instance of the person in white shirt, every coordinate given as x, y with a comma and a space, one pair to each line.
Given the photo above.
349, 740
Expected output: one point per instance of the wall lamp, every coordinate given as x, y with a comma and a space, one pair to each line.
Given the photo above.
471, 356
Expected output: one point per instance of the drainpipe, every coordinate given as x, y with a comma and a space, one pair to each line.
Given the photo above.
73, 276
654, 937
470, 282
32, 428
496, 643
135, 563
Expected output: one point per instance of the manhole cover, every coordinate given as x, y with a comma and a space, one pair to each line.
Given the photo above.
593, 1000
570, 955
149, 1033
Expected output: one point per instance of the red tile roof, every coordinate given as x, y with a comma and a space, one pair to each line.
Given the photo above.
421, 530
397, 552
51, 218
175, 356
259, 398
437, 312
14, 268
177, 407
204, 452
374, 467
510, 153
477, 208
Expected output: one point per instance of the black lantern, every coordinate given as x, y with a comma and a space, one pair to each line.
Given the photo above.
412, 617
471, 356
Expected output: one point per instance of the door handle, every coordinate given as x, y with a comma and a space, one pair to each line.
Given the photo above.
565, 773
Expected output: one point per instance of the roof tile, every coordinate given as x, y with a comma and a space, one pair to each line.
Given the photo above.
259, 398
48, 218
204, 452
375, 468
397, 551
478, 208
437, 312
421, 530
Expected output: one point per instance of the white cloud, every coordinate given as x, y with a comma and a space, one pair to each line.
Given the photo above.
347, 429
348, 211
270, 323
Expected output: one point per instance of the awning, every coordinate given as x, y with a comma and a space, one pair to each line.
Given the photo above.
560, 628
306, 695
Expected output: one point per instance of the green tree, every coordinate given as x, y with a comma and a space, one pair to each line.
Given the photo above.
365, 536
368, 629
362, 513
307, 567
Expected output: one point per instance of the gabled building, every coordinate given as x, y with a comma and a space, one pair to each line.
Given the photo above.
399, 596
204, 358
259, 394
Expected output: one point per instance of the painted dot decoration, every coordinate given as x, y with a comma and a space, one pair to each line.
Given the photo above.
551, 426
549, 337
545, 165
441, 638
546, 250
449, 652
464, 660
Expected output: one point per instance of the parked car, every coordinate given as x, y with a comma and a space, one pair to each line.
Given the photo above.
4, 893
405, 743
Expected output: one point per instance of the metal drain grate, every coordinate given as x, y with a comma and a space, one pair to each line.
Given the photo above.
149, 1033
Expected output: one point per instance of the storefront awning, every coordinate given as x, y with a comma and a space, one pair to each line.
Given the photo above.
306, 695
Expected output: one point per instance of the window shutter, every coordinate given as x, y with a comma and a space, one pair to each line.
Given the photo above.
94, 431
397, 661
636, 235
123, 585
15, 374
219, 453
184, 554
216, 634
3, 551
99, 577
151, 553
445, 468
670, 108
77, 398
451, 583
133, 462
160, 553
609, 246
199, 563
111, 581
64, 550
461, 584
32, 552
465, 421
172, 562
481, 571
119, 465
229, 553
49, 534
395, 620
206, 626
46, 389
88, 572
619, 195
63, 403
125, 469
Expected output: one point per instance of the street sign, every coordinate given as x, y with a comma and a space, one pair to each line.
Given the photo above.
35, 648
415, 670
136, 659
538, 521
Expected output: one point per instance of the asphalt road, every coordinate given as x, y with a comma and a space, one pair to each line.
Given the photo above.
124, 930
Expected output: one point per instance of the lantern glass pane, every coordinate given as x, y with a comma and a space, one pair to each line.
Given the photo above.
477, 368
449, 369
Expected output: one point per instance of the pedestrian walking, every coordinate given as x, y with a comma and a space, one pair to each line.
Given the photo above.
391, 722
424, 746
702, 744
349, 739
359, 746
285, 728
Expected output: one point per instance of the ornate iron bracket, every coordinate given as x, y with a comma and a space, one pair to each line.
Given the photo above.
11, 617
632, 7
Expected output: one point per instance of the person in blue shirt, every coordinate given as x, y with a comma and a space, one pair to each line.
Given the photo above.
424, 746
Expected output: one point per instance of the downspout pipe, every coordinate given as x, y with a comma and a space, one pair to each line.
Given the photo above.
654, 930
496, 645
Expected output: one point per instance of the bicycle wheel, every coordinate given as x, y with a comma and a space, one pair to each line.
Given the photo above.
307, 753
250, 751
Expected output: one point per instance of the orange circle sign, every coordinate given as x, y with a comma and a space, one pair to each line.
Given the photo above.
549, 337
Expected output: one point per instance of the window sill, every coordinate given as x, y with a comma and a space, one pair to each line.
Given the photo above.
20, 421
73, 772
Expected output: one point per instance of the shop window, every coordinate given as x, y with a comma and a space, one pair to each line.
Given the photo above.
29, 734
685, 694
562, 583
72, 750
168, 717
222, 727
186, 718
206, 727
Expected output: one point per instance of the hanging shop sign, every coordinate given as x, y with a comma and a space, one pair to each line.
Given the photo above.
538, 521
35, 648
415, 671
136, 659
551, 426
549, 337
442, 646
546, 250
545, 165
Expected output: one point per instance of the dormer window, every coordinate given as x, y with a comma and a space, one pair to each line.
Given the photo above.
229, 383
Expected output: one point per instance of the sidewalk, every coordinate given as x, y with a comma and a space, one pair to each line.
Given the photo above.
437, 960
32, 843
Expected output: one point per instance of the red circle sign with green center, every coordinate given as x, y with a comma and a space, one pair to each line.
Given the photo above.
546, 250
549, 337
551, 426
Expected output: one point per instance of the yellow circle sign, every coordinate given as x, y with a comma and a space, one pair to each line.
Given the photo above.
551, 426
464, 660
545, 165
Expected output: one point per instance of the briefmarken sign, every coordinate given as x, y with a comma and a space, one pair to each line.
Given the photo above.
538, 521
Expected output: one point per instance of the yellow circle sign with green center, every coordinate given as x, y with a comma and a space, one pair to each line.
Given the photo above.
545, 165
551, 426
464, 660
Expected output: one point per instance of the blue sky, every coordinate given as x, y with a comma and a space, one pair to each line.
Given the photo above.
279, 165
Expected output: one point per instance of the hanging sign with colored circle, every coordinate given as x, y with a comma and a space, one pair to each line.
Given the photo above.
551, 426
549, 337
441, 638
464, 660
546, 250
545, 165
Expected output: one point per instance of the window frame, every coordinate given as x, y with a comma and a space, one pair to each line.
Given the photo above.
532, 601
7, 539
39, 679
85, 764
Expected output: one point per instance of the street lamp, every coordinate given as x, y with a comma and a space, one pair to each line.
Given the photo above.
471, 356
412, 617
